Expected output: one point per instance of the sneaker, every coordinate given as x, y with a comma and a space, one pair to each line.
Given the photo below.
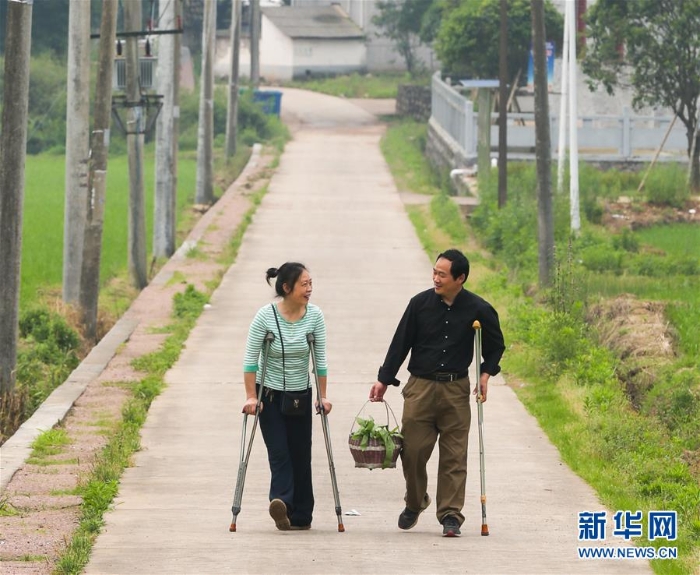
450, 527
408, 518
300, 527
278, 511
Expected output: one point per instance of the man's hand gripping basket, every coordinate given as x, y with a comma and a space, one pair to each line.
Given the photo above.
375, 446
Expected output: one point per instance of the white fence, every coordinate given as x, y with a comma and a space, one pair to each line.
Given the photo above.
622, 138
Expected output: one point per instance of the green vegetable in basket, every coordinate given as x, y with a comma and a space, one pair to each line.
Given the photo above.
368, 429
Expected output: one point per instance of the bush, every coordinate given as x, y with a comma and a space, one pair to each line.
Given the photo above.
667, 186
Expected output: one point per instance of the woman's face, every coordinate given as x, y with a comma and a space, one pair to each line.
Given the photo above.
301, 292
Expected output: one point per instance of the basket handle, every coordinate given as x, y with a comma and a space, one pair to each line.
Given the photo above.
387, 407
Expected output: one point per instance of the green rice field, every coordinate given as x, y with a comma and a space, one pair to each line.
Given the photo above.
42, 233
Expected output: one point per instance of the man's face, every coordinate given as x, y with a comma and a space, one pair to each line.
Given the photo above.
445, 284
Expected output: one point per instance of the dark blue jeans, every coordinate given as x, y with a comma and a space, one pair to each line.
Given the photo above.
288, 442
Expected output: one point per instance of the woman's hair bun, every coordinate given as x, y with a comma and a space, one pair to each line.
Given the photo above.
271, 273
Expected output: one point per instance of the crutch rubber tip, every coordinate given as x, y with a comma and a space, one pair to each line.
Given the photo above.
484, 530
232, 528
341, 528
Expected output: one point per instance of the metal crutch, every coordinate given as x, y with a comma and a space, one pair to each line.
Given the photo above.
480, 409
245, 452
326, 434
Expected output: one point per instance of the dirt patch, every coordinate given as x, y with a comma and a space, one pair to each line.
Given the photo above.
627, 214
638, 333
39, 509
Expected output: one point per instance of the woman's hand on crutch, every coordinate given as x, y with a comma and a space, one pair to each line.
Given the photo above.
327, 406
250, 405
251, 392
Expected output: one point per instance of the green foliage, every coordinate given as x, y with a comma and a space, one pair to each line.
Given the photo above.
448, 217
379, 86
468, 39
189, 304
368, 430
666, 186
44, 326
47, 354
660, 58
50, 442
402, 23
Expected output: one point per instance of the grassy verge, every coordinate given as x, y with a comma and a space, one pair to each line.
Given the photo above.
359, 86
636, 459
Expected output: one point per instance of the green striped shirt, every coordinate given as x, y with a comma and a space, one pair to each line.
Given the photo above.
296, 347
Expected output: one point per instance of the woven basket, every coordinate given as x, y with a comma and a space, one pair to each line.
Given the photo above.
373, 456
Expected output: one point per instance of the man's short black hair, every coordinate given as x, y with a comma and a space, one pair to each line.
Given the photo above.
460, 263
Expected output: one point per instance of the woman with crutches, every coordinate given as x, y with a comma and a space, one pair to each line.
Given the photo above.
285, 409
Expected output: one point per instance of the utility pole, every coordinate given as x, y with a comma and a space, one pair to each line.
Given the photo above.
232, 108
13, 145
97, 173
166, 135
134, 146
503, 107
573, 123
255, 43
205, 130
543, 149
77, 145
563, 103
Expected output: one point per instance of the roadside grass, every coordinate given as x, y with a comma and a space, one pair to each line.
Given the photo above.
50, 442
631, 458
359, 86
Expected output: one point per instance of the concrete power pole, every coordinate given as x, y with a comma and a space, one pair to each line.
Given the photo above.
166, 134
97, 173
77, 143
255, 43
13, 144
205, 132
502, 107
543, 149
135, 124
232, 109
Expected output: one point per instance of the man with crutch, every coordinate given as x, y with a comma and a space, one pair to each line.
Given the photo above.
437, 328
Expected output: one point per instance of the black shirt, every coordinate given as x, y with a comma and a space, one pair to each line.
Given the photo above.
441, 337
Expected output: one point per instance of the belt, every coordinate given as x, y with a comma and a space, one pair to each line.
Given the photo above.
444, 376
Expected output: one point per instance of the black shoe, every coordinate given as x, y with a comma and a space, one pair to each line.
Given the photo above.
278, 511
408, 518
450, 527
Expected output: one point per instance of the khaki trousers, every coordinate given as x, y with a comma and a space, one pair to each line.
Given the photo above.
431, 410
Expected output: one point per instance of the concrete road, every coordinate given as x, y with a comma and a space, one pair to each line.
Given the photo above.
332, 205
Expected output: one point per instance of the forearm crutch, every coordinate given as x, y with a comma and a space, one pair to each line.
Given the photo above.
246, 449
326, 433
480, 410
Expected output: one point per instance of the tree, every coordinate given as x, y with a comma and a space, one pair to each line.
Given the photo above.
402, 22
651, 46
467, 41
